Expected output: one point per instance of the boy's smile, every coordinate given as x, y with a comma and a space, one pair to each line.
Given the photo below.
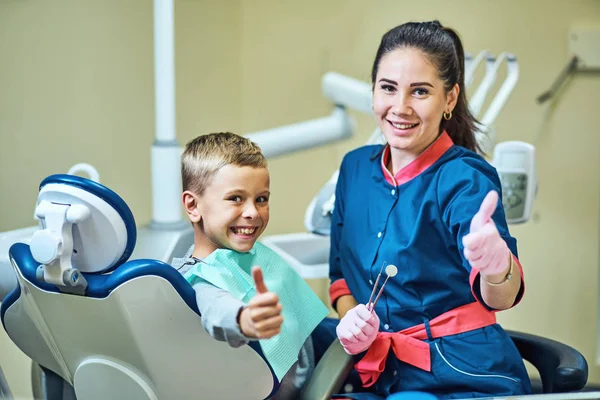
244, 232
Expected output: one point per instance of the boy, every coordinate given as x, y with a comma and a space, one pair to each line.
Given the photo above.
226, 197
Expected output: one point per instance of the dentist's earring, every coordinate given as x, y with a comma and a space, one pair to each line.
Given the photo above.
447, 116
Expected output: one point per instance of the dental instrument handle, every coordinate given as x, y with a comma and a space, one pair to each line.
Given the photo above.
375, 285
374, 289
379, 294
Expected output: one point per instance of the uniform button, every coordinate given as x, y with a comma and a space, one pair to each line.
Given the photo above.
393, 192
379, 235
386, 326
370, 282
395, 373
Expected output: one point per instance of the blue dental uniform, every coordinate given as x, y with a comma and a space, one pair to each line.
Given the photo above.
416, 221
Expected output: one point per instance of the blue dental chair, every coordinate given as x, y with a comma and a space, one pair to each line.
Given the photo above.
118, 329
112, 328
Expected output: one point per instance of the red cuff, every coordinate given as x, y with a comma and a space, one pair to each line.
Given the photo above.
338, 289
476, 293
522, 289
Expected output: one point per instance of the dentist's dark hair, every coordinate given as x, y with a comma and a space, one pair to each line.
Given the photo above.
443, 48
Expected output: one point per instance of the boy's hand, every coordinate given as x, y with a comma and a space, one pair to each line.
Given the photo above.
261, 318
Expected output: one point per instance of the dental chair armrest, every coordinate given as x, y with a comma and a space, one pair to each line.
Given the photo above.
329, 375
561, 367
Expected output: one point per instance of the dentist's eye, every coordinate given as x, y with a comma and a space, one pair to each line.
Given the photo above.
421, 92
388, 88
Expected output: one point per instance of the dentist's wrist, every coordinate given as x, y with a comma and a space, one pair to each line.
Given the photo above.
501, 278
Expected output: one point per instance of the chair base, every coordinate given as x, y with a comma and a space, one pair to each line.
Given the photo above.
91, 376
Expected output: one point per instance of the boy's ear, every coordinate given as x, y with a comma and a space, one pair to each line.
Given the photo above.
191, 206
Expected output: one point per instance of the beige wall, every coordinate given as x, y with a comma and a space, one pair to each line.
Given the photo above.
77, 86
76, 82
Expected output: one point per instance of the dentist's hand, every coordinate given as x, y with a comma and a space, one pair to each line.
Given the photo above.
484, 248
262, 318
358, 329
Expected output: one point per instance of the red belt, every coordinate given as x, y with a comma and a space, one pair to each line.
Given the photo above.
408, 344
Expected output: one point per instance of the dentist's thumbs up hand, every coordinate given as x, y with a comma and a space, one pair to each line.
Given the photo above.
484, 248
262, 318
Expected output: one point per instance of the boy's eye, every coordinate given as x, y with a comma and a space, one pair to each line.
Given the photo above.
236, 199
262, 199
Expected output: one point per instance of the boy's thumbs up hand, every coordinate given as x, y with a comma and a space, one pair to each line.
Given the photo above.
259, 281
261, 319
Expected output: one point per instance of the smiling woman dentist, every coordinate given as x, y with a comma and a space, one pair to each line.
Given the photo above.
428, 204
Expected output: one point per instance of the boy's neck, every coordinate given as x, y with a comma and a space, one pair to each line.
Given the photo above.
202, 249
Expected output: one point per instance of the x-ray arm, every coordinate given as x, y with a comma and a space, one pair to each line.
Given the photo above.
345, 93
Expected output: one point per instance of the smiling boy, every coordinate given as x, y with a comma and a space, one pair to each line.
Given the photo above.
226, 191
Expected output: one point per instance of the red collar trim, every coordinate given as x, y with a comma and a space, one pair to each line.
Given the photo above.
420, 164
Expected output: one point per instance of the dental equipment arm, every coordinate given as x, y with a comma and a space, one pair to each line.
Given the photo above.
485, 136
492, 65
304, 135
345, 92
472, 64
505, 90
348, 92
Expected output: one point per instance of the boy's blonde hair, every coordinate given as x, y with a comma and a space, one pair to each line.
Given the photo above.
205, 155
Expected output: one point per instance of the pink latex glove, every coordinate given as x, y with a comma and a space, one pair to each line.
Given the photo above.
358, 329
484, 248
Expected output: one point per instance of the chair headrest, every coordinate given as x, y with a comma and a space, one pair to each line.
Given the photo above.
103, 227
